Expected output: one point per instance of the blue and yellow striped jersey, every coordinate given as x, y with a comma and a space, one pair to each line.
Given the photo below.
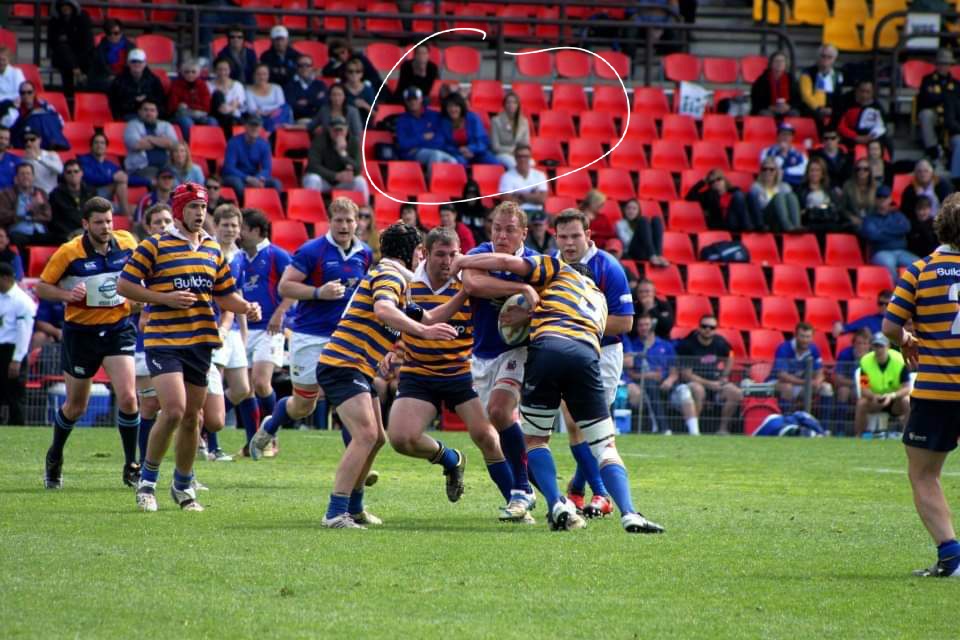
360, 341
929, 293
438, 358
167, 262
570, 306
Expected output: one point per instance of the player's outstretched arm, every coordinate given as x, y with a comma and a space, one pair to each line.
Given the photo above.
235, 302
53, 293
493, 262
292, 286
389, 314
445, 311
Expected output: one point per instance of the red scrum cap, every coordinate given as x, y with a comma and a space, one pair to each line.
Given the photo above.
185, 194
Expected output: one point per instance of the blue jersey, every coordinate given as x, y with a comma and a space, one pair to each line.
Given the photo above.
611, 279
487, 342
322, 260
787, 360
261, 275
659, 356
847, 362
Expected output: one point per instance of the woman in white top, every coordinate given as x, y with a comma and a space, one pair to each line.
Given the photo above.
47, 165
228, 97
266, 100
771, 199
508, 129
183, 167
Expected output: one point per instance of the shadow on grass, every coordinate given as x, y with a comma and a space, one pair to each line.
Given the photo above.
390, 526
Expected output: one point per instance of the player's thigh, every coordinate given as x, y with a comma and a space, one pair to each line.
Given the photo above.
611, 369
265, 347
78, 389
924, 463
409, 418
196, 396
305, 351
122, 373
171, 393
214, 412
360, 419
238, 382
582, 389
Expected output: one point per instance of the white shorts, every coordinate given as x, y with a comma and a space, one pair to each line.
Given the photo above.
140, 364
263, 347
503, 372
611, 369
232, 355
214, 381
304, 353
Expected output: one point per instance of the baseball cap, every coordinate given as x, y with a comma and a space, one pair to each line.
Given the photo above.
879, 338
166, 171
253, 119
537, 216
883, 191
338, 121
412, 92
785, 126
279, 31
137, 55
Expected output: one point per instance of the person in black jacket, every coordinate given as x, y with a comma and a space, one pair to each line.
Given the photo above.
135, 85
109, 57
922, 239
67, 200
280, 57
930, 102
420, 72
724, 204
340, 54
70, 42
305, 93
646, 301
839, 164
951, 125
334, 160
775, 92
242, 58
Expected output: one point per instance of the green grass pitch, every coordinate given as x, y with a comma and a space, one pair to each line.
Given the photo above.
766, 538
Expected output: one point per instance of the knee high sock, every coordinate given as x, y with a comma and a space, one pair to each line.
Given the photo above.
143, 436
62, 428
127, 425
267, 404
514, 449
445, 457
615, 478
502, 476
545, 469
278, 418
213, 442
587, 465
247, 416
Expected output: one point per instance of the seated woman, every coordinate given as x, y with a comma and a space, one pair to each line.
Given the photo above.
183, 167
773, 200
360, 93
775, 92
420, 72
859, 194
601, 228
337, 106
819, 209
465, 129
642, 237
228, 97
367, 231
927, 183
880, 167
724, 204
508, 129
266, 100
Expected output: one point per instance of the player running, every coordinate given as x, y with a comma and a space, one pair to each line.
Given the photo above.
563, 364
437, 371
497, 367
180, 273
928, 293
97, 331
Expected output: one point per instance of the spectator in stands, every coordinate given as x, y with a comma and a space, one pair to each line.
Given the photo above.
642, 237
409, 215
836, 159
110, 56
337, 106
792, 361
934, 88
821, 84
9, 255
189, 101
148, 141
927, 183
70, 43
420, 72
340, 54
420, 133
228, 97
821, 212
706, 362
646, 301
871, 322
241, 57
367, 231
539, 237
885, 229
47, 165
792, 161
182, 165
36, 114
775, 92
650, 365
133, 86
859, 194
25, 210
161, 194
887, 388
48, 325
281, 58
473, 212
104, 175
305, 92
527, 184
10, 77
508, 129
360, 93
334, 161
266, 100
864, 120
8, 160
248, 161
215, 196
601, 227
773, 201
848, 359
881, 169
450, 220
922, 239
66, 202
465, 130
724, 204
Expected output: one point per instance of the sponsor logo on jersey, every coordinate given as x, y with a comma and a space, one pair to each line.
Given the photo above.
193, 281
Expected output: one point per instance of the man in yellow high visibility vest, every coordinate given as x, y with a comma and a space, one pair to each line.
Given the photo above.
884, 384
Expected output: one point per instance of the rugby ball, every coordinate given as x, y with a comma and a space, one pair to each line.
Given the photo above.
513, 335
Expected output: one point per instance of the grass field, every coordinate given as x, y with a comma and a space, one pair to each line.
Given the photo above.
766, 538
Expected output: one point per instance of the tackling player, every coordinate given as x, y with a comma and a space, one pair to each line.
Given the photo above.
928, 293
97, 330
564, 365
180, 273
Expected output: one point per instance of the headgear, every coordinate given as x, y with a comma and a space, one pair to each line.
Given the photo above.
185, 194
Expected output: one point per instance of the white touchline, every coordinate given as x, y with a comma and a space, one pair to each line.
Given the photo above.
363, 145
901, 471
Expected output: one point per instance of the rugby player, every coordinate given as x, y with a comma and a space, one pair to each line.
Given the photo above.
563, 364
180, 274
434, 372
97, 331
928, 293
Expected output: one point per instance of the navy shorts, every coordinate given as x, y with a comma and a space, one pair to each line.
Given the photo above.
452, 391
192, 362
83, 350
933, 425
339, 384
560, 369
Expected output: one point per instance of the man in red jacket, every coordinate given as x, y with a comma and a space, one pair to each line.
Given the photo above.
863, 120
189, 102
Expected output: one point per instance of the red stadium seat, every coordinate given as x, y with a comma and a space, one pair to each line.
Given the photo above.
78, 134
657, 184
207, 142
629, 155
571, 97
533, 99
487, 95
690, 308
428, 209
860, 307
762, 248
383, 25
651, 101
679, 129
159, 49
746, 156
668, 155
822, 313
751, 67
306, 205
581, 152
59, 102
762, 129
114, 133
92, 108
619, 61
735, 338
666, 280
289, 235
292, 142
706, 279
487, 177
913, 72
284, 170
522, 30
597, 125
464, 61
832, 282
616, 184
843, 250
678, 248
405, 177
39, 257
871, 280
779, 313
686, 216
265, 199
737, 312
556, 124
556, 204
720, 128
801, 249
650, 209
574, 185
611, 100
316, 50
764, 343
383, 55
708, 156
747, 280
803, 129
791, 281
707, 238
547, 149
642, 129
386, 211
741, 179
900, 182
820, 339
720, 70
679, 67
447, 177
356, 196
573, 64
8, 39
535, 65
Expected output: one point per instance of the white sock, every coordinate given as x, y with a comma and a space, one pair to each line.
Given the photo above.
693, 426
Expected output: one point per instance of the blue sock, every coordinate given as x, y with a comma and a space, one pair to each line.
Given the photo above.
144, 436
355, 504
502, 476
150, 471
448, 458
542, 465
62, 428
578, 483
338, 504
267, 404
615, 478
514, 448
345, 436
320, 414
278, 419
949, 554
181, 481
227, 405
247, 416
587, 465
213, 442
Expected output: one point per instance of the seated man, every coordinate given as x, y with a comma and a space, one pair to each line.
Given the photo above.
48, 325
794, 360
791, 160
419, 132
864, 120
334, 161
847, 361
103, 174
247, 162
871, 322
821, 85
10, 77
8, 160
527, 184
885, 229
705, 361
934, 88
25, 211
31, 113
67, 200
884, 384
305, 93
135, 85
148, 141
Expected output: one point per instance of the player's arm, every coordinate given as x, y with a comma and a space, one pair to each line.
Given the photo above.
671, 379
617, 325
446, 310
234, 302
389, 314
53, 293
493, 262
293, 287
276, 320
139, 293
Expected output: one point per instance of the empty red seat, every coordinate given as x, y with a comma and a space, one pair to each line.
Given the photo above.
159, 49
900, 182
779, 313
642, 129
306, 205
746, 156
581, 152
720, 70
720, 128
790, 281
678, 248
735, 338
913, 72
556, 204
207, 142
843, 250
597, 125
316, 50
823, 345
283, 170
114, 133
58, 101
872, 279
266, 199
801, 249
486, 95
573, 64
616, 183
737, 312
705, 278
611, 100
668, 155
822, 313
464, 61
384, 25
832, 282
78, 134
292, 142
619, 62
751, 67
708, 156
405, 177
533, 99
764, 343
679, 67
741, 180
556, 124
383, 55
679, 129
747, 280
571, 97
762, 129
651, 101
448, 177
628, 155
288, 234
537, 65
92, 108
762, 248
574, 185
803, 129
690, 308
39, 257
686, 216
657, 184
547, 150
487, 176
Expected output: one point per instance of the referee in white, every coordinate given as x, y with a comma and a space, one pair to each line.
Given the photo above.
17, 311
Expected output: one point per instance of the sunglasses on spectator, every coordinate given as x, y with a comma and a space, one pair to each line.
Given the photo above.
711, 327
30, 139
523, 156
863, 168
354, 70
115, 32
236, 36
304, 65
27, 92
211, 187
829, 137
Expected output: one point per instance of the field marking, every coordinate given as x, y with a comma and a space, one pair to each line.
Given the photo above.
900, 471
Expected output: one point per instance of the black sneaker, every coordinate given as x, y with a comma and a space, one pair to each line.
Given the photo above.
131, 474
455, 478
53, 473
939, 570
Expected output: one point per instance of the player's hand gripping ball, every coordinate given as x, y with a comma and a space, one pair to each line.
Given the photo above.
514, 333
